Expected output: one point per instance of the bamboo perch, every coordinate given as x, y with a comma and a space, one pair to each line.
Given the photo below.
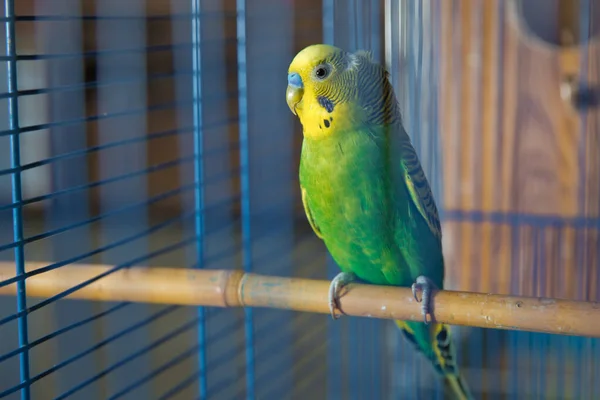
233, 288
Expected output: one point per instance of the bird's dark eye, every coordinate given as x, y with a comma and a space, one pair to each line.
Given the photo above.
321, 72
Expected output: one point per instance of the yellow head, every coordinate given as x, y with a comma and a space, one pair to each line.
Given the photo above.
320, 79
331, 90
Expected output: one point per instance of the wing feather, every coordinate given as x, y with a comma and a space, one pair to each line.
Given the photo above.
309, 215
418, 186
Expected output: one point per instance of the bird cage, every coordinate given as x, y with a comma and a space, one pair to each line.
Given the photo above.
149, 164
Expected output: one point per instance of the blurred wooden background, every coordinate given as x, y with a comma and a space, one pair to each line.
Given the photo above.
521, 172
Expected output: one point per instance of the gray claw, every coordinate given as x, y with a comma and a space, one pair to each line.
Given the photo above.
337, 283
425, 285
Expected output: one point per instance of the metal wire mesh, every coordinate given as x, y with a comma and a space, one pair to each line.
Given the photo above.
102, 117
153, 132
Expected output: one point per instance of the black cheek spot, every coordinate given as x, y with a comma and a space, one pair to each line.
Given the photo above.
320, 127
326, 123
331, 118
326, 103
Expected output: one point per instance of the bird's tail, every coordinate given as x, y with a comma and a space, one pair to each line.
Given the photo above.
458, 387
434, 341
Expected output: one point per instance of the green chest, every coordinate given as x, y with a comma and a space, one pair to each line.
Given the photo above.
345, 182
348, 194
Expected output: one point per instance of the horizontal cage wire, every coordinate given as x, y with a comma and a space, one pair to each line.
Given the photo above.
147, 152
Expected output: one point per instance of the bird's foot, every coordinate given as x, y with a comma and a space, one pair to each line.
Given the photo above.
337, 283
425, 285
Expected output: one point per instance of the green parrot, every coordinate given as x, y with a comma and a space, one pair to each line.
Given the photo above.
364, 191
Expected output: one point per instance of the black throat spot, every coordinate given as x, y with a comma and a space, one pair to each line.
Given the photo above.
326, 103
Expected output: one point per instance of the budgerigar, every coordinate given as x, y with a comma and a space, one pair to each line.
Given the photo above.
364, 191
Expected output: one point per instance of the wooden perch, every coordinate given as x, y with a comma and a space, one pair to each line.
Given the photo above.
233, 288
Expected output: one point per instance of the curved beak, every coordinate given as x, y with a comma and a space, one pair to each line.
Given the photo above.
294, 91
293, 96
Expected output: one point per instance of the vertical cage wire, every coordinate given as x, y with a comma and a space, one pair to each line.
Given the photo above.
17, 212
245, 187
199, 179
